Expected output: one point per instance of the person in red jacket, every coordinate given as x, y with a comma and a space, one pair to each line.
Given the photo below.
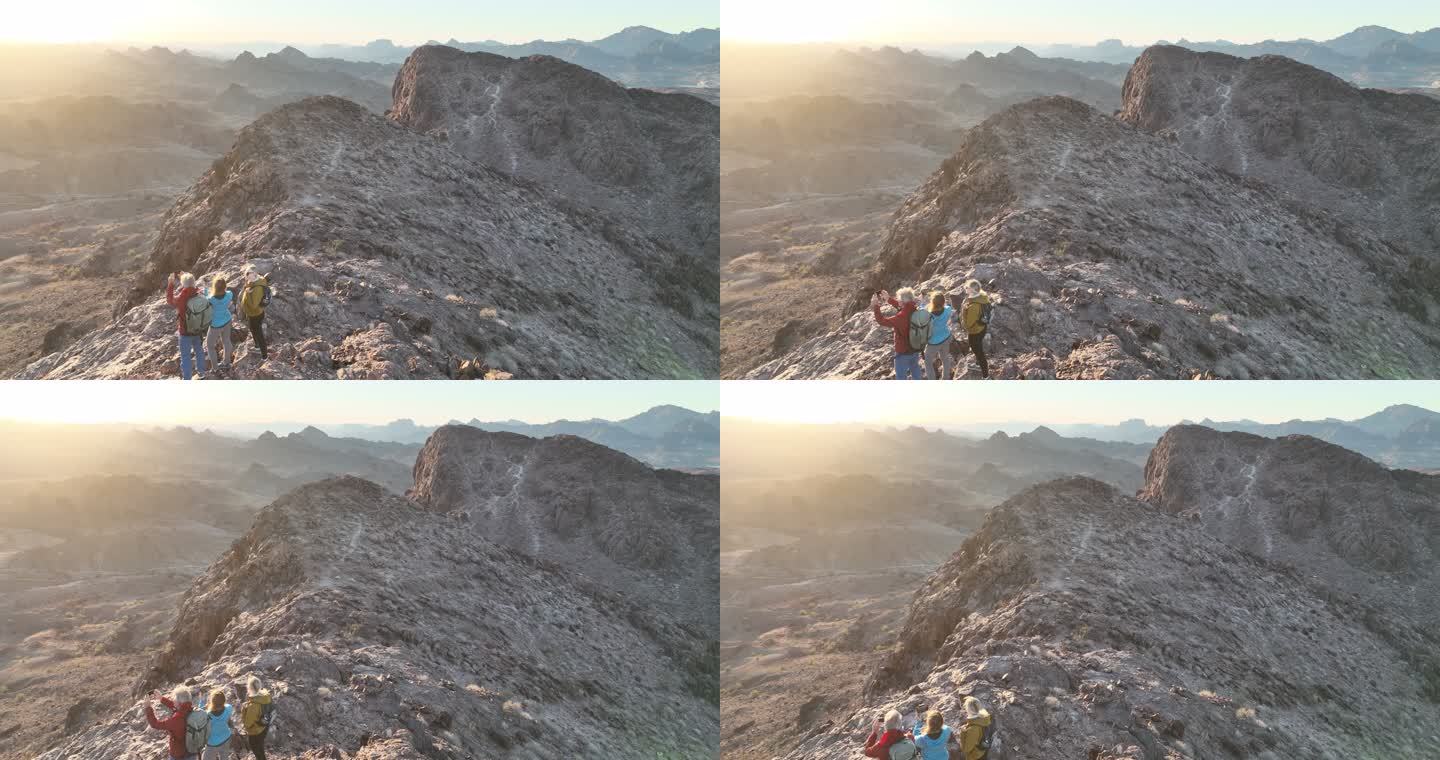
877, 744
192, 347
907, 359
180, 706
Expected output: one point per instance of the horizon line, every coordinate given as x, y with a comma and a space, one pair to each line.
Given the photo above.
920, 45
1094, 423
188, 44
318, 425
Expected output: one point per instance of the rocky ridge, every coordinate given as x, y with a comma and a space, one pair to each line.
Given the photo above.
391, 629
1366, 155
1118, 253
1095, 624
395, 256
651, 534
1324, 510
651, 160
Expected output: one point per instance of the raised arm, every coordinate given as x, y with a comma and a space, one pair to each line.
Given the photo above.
151, 719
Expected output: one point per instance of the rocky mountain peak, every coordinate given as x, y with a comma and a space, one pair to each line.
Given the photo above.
1307, 504
1016, 207
1043, 433
1071, 615
392, 255
390, 631
1361, 153
576, 503
648, 157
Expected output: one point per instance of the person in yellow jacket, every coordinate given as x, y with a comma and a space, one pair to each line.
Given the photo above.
256, 716
973, 733
976, 318
254, 297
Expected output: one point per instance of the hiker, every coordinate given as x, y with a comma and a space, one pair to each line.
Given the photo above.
942, 319
256, 714
254, 297
220, 733
933, 737
221, 299
191, 323
977, 320
912, 330
884, 735
186, 729
977, 734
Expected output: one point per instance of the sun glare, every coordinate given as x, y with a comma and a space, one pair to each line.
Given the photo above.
813, 402
69, 21
84, 402
800, 21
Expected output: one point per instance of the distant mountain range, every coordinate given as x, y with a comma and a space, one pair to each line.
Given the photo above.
1375, 56
636, 55
1402, 435
663, 436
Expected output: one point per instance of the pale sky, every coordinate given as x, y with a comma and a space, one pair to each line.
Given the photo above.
1063, 402
196, 404
340, 21
944, 22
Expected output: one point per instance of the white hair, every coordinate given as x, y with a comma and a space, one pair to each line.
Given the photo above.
182, 694
905, 295
973, 708
187, 280
254, 685
892, 718
972, 286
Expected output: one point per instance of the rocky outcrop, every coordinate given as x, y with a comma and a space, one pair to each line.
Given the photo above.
651, 534
1366, 155
650, 160
394, 256
1121, 253
1325, 511
389, 628
1095, 624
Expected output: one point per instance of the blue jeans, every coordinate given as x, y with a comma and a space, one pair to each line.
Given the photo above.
192, 353
907, 367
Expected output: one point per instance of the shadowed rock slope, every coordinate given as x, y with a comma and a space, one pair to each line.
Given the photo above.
1095, 624
649, 159
653, 535
1121, 253
397, 256
1367, 155
1310, 505
392, 630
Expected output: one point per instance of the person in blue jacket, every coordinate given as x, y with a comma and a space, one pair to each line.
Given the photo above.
221, 300
933, 737
943, 320
220, 714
